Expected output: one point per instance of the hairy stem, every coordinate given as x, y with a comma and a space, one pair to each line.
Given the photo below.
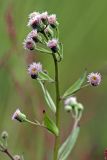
57, 138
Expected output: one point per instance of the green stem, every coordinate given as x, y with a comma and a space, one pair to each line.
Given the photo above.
57, 138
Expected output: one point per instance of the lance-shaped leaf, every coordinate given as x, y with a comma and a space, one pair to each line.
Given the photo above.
44, 77
76, 86
48, 98
50, 125
68, 145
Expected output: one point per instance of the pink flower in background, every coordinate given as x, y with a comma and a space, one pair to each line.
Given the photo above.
105, 154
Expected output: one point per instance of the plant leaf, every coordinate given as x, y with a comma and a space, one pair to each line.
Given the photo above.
48, 98
68, 145
50, 125
45, 77
76, 86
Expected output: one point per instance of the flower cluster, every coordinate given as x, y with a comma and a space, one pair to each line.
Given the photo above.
44, 32
42, 25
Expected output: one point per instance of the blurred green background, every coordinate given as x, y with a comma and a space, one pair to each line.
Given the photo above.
83, 31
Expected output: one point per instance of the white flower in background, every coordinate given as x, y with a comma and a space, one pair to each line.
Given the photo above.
70, 101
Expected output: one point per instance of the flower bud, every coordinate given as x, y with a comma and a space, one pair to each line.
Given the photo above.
4, 135
70, 101
53, 45
52, 20
33, 14
44, 17
17, 157
34, 36
80, 107
68, 108
19, 116
29, 44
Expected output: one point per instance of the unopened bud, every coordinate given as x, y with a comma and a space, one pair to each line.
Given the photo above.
19, 116
4, 135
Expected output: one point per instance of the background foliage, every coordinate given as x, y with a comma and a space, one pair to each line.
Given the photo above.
83, 31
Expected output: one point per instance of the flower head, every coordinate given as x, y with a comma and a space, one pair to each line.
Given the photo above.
29, 44
33, 14
53, 44
94, 79
19, 116
33, 35
44, 15
35, 21
34, 69
70, 101
52, 20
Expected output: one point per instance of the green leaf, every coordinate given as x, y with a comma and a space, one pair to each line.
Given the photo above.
76, 86
50, 125
45, 77
48, 98
68, 145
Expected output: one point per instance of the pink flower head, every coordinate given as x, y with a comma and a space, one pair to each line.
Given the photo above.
29, 44
18, 116
53, 44
35, 21
34, 69
70, 101
52, 19
44, 15
33, 14
33, 35
94, 79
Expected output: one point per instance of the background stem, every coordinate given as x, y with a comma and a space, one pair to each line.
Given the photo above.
7, 152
